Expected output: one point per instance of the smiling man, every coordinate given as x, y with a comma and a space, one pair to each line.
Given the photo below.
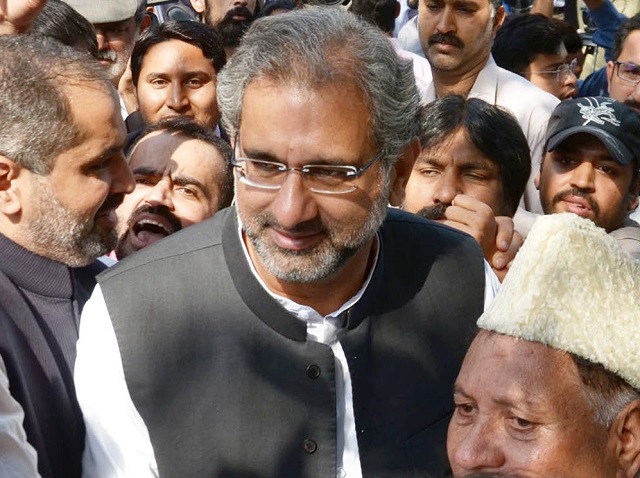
183, 176
174, 71
299, 318
591, 166
550, 387
62, 175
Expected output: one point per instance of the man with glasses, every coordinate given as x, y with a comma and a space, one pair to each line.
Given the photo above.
310, 331
532, 46
623, 72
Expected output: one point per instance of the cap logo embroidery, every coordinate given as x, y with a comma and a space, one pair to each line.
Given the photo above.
598, 113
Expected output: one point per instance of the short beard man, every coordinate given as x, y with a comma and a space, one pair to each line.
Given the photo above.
70, 237
234, 24
320, 262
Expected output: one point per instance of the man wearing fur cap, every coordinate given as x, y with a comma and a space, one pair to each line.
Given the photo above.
550, 385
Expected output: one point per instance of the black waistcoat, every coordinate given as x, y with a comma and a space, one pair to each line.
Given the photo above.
228, 385
40, 300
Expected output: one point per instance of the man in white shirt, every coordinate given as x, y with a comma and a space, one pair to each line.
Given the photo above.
309, 331
456, 37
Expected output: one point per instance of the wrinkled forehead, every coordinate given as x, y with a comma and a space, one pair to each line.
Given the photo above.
164, 152
512, 369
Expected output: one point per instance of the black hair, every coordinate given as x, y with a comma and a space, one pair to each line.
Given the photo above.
380, 13
269, 7
626, 28
60, 21
524, 36
188, 128
198, 34
491, 129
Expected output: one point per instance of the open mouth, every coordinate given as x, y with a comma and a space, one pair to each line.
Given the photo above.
150, 228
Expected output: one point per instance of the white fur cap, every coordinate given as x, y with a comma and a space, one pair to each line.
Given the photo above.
572, 287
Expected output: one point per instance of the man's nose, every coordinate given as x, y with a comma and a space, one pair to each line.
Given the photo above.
446, 188
477, 450
294, 203
446, 22
121, 178
176, 97
583, 177
161, 194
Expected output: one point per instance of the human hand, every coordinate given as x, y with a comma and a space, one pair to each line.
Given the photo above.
17, 15
127, 90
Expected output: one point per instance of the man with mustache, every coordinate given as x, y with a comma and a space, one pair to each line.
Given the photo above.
118, 24
231, 18
623, 71
62, 176
183, 176
295, 334
456, 37
471, 173
591, 166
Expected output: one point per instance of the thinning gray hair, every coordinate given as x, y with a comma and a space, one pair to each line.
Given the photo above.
607, 393
321, 46
36, 121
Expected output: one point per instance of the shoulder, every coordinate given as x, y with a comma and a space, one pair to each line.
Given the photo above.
401, 225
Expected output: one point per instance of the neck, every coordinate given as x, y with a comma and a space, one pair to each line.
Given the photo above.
329, 294
456, 82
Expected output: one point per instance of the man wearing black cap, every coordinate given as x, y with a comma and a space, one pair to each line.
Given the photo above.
591, 166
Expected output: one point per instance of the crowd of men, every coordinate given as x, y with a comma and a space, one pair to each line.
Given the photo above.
274, 243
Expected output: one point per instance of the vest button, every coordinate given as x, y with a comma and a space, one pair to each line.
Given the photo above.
313, 371
310, 446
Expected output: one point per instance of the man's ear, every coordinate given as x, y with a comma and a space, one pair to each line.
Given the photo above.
625, 432
499, 18
9, 191
634, 191
401, 172
145, 23
610, 67
198, 6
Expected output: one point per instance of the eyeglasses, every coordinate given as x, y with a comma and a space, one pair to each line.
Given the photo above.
562, 72
319, 178
629, 72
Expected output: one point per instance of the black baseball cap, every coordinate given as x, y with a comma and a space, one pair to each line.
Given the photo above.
613, 123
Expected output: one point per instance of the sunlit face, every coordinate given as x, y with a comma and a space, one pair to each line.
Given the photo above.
70, 216
115, 45
619, 89
215, 10
521, 412
581, 177
456, 35
176, 79
178, 183
542, 73
295, 235
230, 17
453, 167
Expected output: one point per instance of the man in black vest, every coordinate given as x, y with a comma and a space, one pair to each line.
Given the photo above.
309, 331
62, 175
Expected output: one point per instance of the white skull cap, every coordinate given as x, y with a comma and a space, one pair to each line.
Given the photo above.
573, 288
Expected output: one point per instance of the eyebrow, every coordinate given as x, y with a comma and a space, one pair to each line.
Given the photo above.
265, 156
477, 164
176, 179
